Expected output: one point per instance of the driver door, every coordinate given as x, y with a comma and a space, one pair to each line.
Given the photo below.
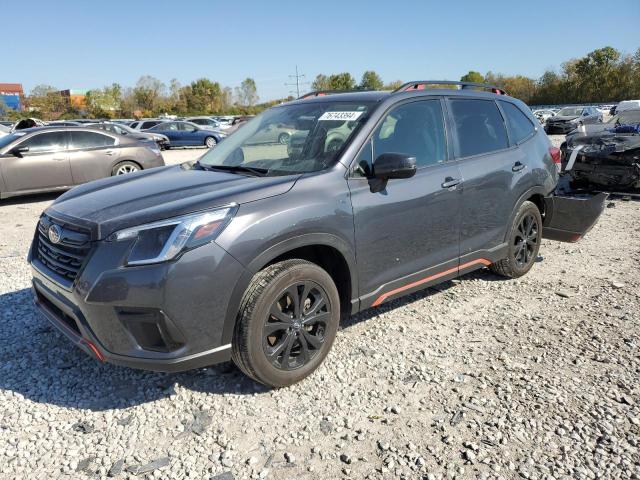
408, 234
45, 165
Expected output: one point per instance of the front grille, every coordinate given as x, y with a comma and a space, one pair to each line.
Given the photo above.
64, 258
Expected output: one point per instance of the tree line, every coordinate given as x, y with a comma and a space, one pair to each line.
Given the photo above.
602, 76
149, 97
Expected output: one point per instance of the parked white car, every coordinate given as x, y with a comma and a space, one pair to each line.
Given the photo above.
543, 114
627, 105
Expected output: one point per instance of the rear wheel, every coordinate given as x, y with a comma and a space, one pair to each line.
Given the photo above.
210, 142
123, 168
524, 242
287, 323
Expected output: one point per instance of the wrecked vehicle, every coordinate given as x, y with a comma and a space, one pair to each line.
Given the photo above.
609, 159
570, 118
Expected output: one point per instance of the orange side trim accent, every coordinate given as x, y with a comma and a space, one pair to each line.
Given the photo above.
384, 296
94, 349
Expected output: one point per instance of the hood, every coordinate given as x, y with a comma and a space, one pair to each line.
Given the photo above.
114, 203
562, 118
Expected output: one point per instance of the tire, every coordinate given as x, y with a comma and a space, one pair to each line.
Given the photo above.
522, 251
125, 167
297, 344
210, 142
283, 138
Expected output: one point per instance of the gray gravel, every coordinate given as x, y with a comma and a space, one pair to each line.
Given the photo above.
475, 378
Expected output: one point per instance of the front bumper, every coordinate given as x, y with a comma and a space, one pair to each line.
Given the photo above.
559, 128
166, 317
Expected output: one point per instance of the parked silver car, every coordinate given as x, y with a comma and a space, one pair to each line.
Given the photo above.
57, 158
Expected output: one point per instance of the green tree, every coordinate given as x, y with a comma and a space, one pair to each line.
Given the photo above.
105, 102
47, 101
341, 81
371, 81
247, 93
148, 93
202, 96
472, 76
394, 85
321, 82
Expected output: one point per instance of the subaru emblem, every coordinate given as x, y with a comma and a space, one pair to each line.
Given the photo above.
55, 233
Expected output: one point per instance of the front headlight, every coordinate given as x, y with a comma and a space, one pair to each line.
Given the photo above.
164, 240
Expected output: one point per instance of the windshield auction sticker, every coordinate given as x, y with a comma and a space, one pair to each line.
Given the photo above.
348, 116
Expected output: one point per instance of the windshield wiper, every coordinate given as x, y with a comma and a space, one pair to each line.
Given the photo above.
259, 172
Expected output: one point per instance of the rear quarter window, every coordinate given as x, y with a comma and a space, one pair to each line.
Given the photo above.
520, 127
82, 140
478, 125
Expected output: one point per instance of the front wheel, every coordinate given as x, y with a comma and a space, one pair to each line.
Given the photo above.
283, 138
524, 243
123, 168
287, 323
210, 142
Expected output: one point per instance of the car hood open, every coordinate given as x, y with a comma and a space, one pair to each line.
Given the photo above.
114, 203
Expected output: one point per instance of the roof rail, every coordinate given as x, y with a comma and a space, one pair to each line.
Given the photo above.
322, 93
422, 84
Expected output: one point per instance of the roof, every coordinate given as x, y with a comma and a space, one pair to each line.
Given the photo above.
11, 87
369, 96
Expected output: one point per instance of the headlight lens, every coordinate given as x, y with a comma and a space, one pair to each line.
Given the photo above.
162, 241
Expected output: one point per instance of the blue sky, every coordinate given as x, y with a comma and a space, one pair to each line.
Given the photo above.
87, 44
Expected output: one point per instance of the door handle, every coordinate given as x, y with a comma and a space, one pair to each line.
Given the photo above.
451, 182
518, 166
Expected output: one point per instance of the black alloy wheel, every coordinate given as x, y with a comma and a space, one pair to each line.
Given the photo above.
294, 330
526, 240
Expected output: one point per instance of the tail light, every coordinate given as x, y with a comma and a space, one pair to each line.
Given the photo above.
556, 156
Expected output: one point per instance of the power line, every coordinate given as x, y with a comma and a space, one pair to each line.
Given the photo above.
298, 83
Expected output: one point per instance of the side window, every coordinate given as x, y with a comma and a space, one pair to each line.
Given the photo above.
364, 162
415, 129
46, 142
479, 126
519, 125
84, 140
186, 127
134, 124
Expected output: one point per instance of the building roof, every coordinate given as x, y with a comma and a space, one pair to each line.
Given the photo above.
11, 87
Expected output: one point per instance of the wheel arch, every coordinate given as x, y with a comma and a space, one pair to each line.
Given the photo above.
123, 160
328, 251
536, 196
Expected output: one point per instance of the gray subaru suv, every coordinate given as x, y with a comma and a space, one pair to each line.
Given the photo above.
255, 254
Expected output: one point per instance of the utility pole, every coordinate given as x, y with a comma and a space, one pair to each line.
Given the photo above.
297, 76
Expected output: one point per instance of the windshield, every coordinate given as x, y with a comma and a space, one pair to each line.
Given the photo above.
291, 139
626, 118
570, 112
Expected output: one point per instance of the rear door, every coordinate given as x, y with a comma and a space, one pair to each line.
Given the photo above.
92, 155
407, 234
188, 134
45, 165
493, 175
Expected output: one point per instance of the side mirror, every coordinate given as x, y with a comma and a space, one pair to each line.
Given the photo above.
18, 151
391, 165
394, 165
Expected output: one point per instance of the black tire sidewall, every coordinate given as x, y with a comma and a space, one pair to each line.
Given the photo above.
258, 363
526, 208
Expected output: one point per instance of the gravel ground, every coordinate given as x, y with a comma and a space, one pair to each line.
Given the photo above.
476, 378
